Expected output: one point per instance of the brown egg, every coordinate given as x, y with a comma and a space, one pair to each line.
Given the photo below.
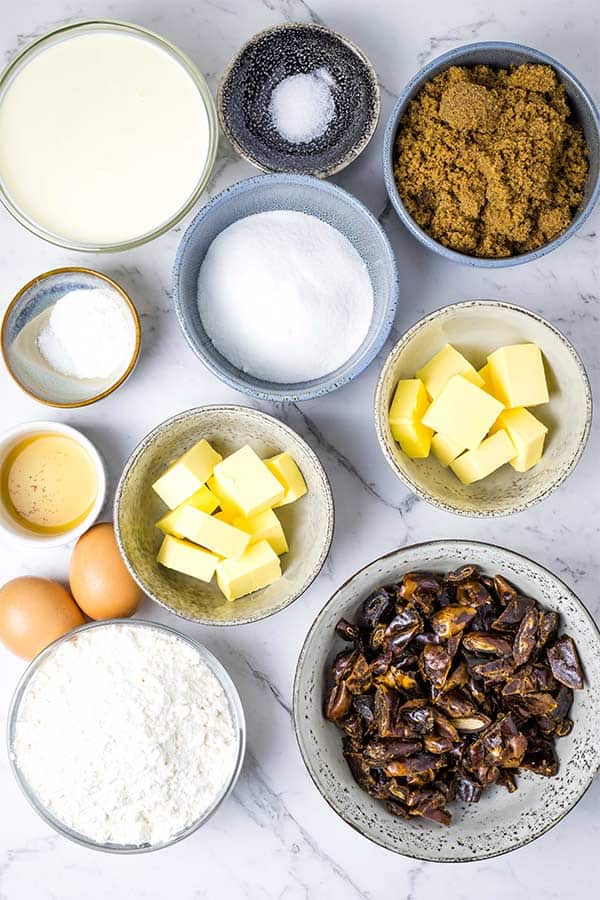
99, 579
33, 613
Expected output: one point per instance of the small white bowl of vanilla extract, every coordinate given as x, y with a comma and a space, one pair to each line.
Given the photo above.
52, 484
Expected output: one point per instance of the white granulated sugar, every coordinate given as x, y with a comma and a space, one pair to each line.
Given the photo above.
302, 106
284, 296
125, 735
88, 335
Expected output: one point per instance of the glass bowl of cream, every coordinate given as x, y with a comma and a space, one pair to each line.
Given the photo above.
108, 136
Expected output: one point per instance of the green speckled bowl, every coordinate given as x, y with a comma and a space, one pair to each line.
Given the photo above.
308, 523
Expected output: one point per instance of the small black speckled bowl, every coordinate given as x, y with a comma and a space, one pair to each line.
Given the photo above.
274, 54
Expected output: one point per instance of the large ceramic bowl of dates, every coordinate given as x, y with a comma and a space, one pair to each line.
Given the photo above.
447, 701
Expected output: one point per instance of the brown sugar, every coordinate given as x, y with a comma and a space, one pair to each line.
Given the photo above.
490, 162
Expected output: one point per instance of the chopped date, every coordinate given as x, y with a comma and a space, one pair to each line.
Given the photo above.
452, 683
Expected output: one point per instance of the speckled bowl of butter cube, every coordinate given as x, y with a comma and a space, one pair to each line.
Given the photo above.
483, 408
224, 515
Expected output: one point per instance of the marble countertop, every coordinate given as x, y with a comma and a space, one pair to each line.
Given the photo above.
275, 837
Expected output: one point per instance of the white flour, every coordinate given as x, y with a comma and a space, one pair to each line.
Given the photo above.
284, 296
125, 735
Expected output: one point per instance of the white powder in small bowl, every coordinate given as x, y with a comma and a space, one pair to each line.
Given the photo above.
302, 106
284, 296
125, 735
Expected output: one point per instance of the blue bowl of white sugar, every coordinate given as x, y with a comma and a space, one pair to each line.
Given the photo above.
285, 287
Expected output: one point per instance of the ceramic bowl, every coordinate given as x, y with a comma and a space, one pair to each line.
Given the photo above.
476, 328
19, 330
500, 822
14, 532
162, 45
316, 198
235, 708
308, 523
276, 53
501, 54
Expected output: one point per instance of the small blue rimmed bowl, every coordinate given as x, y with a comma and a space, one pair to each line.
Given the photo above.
304, 194
500, 54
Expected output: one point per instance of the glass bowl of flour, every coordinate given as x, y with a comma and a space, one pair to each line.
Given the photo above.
285, 287
126, 735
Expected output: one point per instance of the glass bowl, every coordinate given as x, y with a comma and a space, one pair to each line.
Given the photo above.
112, 25
235, 707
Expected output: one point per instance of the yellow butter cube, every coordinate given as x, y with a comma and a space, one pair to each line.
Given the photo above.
244, 482
210, 532
441, 367
463, 412
187, 475
484, 373
264, 526
410, 401
492, 453
225, 515
203, 499
258, 567
225, 504
413, 437
182, 556
286, 471
517, 375
527, 434
445, 449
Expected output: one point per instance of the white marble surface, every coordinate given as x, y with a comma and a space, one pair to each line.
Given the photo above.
276, 838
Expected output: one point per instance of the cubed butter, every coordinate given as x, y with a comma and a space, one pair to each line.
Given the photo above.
286, 471
527, 434
492, 453
410, 401
517, 375
203, 499
225, 504
264, 526
484, 373
182, 556
210, 532
254, 569
225, 515
445, 449
439, 370
244, 481
463, 412
187, 475
413, 437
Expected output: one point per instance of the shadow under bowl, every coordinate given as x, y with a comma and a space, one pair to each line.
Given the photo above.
476, 328
500, 822
498, 54
307, 523
281, 51
303, 194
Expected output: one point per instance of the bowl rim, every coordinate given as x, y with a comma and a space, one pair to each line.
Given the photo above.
64, 270
356, 150
379, 412
316, 624
428, 71
233, 408
233, 699
213, 135
45, 541
238, 382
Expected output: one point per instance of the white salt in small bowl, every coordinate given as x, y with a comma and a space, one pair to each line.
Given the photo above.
22, 357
